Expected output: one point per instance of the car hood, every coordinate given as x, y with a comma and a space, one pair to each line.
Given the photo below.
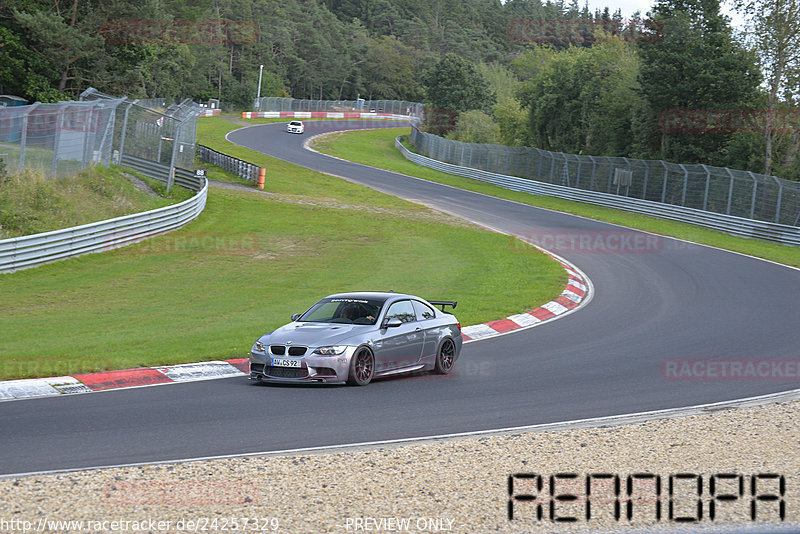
314, 334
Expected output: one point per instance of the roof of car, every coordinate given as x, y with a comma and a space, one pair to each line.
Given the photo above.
371, 295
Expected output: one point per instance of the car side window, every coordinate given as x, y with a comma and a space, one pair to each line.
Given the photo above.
423, 311
402, 310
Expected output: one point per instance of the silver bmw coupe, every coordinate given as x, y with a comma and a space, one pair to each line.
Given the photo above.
355, 337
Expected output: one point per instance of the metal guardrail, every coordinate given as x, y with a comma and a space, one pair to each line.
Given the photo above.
29, 251
240, 168
703, 187
739, 226
159, 171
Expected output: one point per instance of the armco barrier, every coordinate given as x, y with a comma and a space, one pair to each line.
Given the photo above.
241, 168
739, 226
29, 251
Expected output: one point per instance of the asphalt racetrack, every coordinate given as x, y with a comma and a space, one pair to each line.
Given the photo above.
652, 307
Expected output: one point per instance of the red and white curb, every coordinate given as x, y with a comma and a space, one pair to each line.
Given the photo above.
321, 115
126, 378
576, 294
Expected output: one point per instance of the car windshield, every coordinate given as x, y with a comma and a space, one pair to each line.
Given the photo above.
295, 123
347, 310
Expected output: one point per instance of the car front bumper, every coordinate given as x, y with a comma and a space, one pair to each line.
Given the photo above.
313, 369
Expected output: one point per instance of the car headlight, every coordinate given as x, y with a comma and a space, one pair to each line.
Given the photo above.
259, 347
330, 350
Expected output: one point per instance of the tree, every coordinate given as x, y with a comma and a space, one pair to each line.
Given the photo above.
389, 70
775, 30
454, 84
581, 100
475, 126
697, 65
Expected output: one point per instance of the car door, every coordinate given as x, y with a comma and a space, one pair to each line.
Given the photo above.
426, 318
399, 346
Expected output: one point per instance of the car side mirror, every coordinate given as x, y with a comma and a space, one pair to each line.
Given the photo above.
296, 316
394, 322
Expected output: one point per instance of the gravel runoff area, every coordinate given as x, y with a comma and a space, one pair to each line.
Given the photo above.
451, 485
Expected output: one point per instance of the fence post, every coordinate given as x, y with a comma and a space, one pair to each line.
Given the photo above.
56, 140
685, 184
644, 184
171, 177
753, 199
24, 135
630, 179
730, 191
124, 130
708, 181
88, 138
664, 186
780, 198
594, 167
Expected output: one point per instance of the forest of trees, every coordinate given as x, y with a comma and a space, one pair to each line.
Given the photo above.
523, 72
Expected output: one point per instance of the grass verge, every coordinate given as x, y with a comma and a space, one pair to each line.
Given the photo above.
376, 148
209, 290
31, 203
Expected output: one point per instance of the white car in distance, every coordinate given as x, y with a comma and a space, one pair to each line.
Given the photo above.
295, 127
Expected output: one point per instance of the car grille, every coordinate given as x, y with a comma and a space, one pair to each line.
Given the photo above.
286, 372
256, 367
280, 350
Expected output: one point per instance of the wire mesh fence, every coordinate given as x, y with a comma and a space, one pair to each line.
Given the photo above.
163, 134
715, 189
59, 139
64, 138
394, 107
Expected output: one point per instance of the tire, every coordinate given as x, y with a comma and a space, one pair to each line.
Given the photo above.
362, 367
445, 358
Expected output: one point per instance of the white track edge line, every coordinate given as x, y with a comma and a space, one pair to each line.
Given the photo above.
594, 422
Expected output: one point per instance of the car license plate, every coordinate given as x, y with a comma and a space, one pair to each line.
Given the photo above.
282, 362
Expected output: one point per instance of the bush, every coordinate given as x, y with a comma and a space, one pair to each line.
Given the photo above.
475, 127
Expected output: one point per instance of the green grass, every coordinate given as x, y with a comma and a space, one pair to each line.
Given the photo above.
376, 148
31, 203
209, 290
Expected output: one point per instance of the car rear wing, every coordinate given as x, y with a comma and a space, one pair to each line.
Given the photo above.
443, 303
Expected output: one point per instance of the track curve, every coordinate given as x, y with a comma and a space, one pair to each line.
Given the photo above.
679, 301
